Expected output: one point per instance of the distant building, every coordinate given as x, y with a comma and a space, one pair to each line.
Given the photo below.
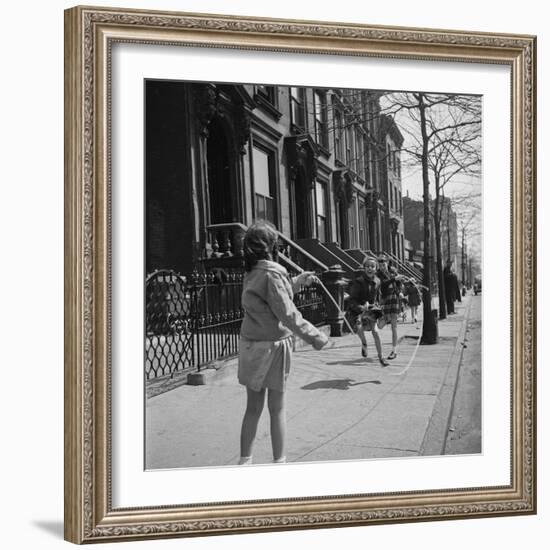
413, 220
449, 234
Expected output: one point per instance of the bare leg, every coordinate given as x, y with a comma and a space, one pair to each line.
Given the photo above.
394, 331
377, 341
277, 414
361, 334
393, 320
254, 407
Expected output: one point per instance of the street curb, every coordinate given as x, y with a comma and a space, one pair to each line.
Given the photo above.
435, 437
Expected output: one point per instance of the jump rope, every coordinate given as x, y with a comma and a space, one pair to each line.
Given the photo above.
402, 371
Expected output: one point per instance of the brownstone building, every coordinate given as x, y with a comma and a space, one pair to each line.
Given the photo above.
321, 164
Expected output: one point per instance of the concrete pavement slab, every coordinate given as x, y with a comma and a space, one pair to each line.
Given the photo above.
397, 422
341, 452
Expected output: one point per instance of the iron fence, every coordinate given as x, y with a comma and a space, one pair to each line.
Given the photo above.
193, 320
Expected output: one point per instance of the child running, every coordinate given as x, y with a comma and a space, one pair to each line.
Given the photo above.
363, 307
265, 348
390, 288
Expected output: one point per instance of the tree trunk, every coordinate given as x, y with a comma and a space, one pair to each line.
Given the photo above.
439, 254
463, 255
440, 276
429, 325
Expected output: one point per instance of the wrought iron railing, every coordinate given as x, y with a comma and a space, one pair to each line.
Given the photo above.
310, 301
196, 319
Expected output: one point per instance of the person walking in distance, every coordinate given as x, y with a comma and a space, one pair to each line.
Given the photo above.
451, 286
265, 347
412, 292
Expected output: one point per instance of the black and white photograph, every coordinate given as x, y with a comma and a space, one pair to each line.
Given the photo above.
313, 277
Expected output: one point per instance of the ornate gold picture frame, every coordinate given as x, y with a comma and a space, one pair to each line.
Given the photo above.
90, 35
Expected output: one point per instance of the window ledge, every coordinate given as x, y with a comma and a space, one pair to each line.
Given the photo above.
267, 107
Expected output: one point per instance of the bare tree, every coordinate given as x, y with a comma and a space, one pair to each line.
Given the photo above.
443, 137
455, 152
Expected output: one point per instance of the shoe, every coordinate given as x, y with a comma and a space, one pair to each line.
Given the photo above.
245, 461
392, 355
364, 351
383, 362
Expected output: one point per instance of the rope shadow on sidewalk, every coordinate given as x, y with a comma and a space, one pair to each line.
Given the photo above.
360, 361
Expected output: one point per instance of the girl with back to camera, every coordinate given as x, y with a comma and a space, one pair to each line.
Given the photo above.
265, 348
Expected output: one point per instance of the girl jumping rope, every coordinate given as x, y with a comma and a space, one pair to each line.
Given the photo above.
363, 307
265, 348
390, 287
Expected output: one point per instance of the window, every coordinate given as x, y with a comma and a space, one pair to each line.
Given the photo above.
350, 159
360, 152
298, 107
353, 225
369, 164
362, 226
320, 104
321, 198
269, 93
339, 134
264, 185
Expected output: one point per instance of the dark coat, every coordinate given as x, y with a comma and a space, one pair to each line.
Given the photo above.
412, 292
363, 290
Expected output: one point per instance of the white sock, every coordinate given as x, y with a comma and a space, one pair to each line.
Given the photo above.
281, 460
245, 460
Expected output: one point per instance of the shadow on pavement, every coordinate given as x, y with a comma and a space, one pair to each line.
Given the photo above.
358, 361
338, 384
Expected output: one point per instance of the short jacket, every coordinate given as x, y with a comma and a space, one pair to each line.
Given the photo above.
269, 312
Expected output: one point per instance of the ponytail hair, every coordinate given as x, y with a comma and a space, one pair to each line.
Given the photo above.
260, 243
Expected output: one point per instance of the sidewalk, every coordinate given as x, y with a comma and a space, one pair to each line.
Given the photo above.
339, 405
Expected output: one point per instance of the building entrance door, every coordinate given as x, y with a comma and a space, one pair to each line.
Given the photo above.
343, 225
221, 181
301, 212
